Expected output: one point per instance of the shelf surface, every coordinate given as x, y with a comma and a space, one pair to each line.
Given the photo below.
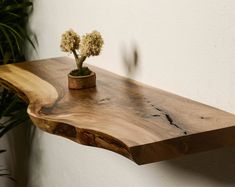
142, 123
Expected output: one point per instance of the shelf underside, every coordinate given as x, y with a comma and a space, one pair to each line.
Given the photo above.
142, 123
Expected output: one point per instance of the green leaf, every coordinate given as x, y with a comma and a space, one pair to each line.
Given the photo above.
10, 107
24, 33
8, 40
13, 14
6, 57
11, 30
16, 6
1, 50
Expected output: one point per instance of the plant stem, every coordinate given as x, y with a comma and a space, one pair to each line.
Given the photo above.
79, 60
82, 59
76, 57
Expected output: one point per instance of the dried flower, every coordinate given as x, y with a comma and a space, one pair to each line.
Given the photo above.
69, 41
91, 44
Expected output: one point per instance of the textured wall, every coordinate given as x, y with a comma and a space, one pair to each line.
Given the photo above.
184, 46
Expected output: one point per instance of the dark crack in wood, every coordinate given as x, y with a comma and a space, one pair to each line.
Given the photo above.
156, 115
167, 116
174, 124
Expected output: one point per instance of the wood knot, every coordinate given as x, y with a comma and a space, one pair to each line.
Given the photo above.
204, 117
65, 130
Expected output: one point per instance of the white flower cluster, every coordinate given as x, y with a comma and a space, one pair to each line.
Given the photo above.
69, 41
91, 44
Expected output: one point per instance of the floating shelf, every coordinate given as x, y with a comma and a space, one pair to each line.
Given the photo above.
142, 123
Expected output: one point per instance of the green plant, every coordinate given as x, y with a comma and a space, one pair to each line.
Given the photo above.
90, 45
13, 36
5, 172
13, 109
13, 33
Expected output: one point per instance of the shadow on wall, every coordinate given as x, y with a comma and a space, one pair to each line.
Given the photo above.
23, 137
130, 59
18, 143
35, 164
131, 62
217, 166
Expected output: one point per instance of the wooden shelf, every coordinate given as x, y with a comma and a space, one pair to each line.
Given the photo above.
142, 123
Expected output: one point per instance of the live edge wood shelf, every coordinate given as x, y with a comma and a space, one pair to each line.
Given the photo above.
142, 123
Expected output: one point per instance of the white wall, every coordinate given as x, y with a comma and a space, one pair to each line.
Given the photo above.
184, 46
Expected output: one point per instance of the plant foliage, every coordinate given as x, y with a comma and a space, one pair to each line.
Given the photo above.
13, 34
13, 109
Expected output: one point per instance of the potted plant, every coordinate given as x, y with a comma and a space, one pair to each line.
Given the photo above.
89, 45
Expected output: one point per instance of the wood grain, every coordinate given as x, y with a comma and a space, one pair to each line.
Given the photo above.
142, 123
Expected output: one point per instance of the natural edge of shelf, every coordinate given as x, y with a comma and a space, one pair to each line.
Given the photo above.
141, 123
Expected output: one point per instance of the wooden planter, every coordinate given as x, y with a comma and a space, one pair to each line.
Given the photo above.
81, 82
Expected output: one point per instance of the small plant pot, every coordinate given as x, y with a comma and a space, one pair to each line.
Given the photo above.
81, 82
